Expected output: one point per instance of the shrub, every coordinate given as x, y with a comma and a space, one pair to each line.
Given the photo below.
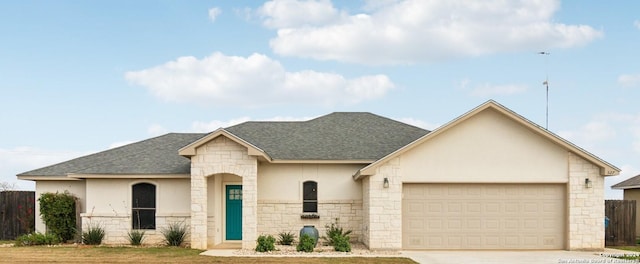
93, 235
35, 239
174, 234
306, 243
286, 238
266, 243
334, 230
341, 243
58, 212
135, 237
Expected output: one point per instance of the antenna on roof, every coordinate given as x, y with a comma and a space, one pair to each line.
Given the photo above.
546, 83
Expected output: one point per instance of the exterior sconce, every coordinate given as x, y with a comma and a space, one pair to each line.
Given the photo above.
588, 183
385, 183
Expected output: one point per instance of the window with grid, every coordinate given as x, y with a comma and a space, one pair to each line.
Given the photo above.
143, 206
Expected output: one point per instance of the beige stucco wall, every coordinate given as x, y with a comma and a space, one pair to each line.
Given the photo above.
487, 147
108, 203
113, 196
634, 194
284, 181
280, 197
76, 188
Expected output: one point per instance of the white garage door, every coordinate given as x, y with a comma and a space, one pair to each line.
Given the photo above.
483, 216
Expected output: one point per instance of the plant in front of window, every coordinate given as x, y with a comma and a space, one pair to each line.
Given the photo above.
306, 243
174, 234
286, 238
265, 243
58, 211
136, 237
93, 235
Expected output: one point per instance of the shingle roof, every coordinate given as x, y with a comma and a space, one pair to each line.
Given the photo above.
631, 183
337, 136
157, 155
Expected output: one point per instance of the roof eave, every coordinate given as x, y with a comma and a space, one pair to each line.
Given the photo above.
46, 178
128, 176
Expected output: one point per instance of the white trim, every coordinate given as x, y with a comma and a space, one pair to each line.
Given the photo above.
324, 161
128, 176
224, 210
48, 178
626, 187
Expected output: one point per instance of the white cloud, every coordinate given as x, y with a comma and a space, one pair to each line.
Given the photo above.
204, 127
414, 31
419, 123
120, 144
253, 81
293, 13
629, 80
488, 90
21, 159
637, 23
214, 13
157, 130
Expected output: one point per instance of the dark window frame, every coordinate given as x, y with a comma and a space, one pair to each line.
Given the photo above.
310, 197
143, 206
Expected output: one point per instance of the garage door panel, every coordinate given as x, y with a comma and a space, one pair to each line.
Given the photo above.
484, 216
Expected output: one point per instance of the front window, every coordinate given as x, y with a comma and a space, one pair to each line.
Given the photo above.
310, 197
143, 206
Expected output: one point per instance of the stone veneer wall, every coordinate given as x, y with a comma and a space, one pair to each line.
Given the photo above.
586, 206
116, 227
383, 219
284, 216
365, 211
223, 155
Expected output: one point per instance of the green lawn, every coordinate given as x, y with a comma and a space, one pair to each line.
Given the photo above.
103, 254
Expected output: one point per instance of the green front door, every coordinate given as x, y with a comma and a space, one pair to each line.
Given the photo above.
233, 196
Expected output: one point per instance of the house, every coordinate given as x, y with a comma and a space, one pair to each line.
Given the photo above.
489, 179
631, 191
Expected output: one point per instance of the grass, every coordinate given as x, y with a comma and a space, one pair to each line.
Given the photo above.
7, 242
632, 256
103, 254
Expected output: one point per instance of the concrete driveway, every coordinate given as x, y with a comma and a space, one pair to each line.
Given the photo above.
515, 257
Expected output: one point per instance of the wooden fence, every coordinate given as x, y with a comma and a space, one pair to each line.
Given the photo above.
621, 230
17, 213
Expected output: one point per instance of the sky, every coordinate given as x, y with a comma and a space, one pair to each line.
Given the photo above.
77, 77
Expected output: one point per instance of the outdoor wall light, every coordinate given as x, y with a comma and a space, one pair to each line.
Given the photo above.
588, 183
385, 183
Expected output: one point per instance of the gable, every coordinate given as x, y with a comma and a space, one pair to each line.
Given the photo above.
606, 169
487, 147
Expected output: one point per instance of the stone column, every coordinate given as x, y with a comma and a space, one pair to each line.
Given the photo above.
249, 207
586, 206
198, 231
384, 208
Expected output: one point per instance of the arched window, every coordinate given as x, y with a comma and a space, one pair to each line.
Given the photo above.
143, 206
310, 197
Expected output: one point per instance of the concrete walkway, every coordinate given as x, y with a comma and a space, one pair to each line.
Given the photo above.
447, 257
